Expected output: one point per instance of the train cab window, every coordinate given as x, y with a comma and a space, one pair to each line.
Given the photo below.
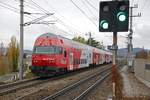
47, 50
65, 53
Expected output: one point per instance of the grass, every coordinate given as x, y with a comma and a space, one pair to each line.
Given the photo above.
29, 75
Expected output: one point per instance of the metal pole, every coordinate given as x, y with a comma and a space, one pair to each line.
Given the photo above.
114, 62
90, 42
130, 45
21, 40
130, 41
131, 32
131, 10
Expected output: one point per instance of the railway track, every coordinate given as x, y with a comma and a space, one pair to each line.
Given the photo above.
80, 88
19, 85
12, 87
39, 93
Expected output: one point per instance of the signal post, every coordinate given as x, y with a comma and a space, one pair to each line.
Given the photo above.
114, 17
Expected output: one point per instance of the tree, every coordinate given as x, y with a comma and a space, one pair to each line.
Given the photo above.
3, 60
101, 45
13, 53
94, 43
1, 49
79, 39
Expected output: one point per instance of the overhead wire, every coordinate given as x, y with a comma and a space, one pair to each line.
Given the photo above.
8, 5
11, 8
42, 9
91, 5
88, 8
83, 12
37, 5
63, 17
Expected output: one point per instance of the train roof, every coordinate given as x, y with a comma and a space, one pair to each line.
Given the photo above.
81, 45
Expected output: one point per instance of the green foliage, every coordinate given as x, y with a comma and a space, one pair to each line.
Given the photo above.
91, 42
79, 39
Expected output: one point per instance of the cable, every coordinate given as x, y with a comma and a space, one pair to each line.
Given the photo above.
91, 5
38, 6
88, 8
82, 11
49, 5
43, 10
9, 6
13, 9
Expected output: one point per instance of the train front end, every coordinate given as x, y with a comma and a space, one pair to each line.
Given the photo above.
45, 57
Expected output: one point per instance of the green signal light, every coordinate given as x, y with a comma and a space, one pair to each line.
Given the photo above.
121, 16
104, 24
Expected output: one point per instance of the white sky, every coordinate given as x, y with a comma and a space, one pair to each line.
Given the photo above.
73, 22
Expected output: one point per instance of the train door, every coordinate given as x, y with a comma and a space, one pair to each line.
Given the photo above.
71, 61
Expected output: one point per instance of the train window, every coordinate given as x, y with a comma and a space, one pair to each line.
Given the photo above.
44, 50
47, 50
58, 50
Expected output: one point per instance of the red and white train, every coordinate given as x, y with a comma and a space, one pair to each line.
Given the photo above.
53, 54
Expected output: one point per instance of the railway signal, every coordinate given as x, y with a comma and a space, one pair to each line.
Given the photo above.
114, 16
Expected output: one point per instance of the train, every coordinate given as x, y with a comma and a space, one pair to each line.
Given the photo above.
55, 54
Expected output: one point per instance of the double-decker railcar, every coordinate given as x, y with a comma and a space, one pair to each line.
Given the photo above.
53, 54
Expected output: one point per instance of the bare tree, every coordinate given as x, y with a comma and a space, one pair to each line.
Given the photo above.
2, 67
1, 49
13, 54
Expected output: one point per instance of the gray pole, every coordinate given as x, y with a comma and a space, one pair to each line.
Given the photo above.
130, 45
90, 42
21, 40
130, 41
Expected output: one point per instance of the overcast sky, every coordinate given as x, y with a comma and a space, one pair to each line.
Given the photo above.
69, 21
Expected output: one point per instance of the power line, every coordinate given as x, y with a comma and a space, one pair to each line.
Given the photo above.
82, 11
45, 11
48, 11
38, 6
13, 9
8, 5
9, 8
88, 8
91, 5
62, 16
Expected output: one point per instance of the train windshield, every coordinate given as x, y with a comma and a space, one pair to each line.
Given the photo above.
48, 50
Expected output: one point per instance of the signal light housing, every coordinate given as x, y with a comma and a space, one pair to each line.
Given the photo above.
114, 16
